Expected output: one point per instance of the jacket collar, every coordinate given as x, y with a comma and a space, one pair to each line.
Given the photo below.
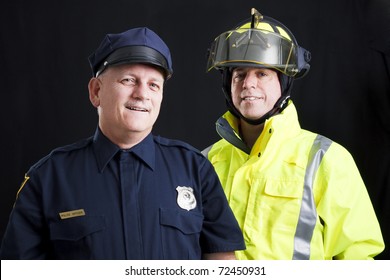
281, 126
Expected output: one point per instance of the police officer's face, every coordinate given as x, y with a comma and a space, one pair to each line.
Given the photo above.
255, 91
128, 98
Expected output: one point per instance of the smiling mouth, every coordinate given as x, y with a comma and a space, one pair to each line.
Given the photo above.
251, 98
138, 109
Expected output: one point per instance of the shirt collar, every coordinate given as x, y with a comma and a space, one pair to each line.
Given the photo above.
105, 150
145, 151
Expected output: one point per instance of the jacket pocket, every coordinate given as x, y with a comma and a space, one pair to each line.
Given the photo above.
272, 214
283, 189
181, 233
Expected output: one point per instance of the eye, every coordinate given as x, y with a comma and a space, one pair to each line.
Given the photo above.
266, 74
129, 81
155, 86
239, 76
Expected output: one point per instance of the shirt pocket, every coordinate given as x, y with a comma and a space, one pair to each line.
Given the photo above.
180, 231
73, 238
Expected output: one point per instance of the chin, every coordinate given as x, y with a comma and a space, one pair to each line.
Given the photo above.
253, 116
139, 129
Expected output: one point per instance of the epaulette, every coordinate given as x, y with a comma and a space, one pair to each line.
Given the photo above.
64, 149
175, 143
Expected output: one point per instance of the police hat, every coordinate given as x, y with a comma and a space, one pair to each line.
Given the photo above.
137, 45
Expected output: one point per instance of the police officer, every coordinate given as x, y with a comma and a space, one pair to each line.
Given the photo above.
123, 193
296, 194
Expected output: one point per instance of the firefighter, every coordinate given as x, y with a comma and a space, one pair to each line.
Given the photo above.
296, 194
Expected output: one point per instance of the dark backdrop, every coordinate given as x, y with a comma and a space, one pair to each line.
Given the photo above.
44, 47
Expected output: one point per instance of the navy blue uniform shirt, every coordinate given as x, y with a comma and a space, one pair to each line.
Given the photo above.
161, 199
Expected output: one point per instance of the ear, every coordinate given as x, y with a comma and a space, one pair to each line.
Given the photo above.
94, 88
304, 57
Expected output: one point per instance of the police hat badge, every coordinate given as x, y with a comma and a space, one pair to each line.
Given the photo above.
186, 198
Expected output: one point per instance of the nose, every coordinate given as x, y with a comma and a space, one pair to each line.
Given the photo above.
250, 80
141, 91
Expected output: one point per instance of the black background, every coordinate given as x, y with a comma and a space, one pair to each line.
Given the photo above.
44, 47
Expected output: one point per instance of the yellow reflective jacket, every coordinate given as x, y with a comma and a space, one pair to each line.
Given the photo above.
295, 194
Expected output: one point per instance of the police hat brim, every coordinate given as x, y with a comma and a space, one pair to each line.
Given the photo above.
135, 54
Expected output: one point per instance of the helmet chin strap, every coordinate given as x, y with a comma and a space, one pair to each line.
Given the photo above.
281, 103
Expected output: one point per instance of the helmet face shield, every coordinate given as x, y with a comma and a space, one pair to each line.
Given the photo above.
254, 47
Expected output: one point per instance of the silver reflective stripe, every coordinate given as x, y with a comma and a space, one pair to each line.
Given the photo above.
206, 151
308, 213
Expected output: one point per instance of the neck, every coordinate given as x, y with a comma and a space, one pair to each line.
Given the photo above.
250, 133
125, 139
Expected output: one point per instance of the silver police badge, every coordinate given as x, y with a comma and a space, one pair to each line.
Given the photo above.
186, 198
